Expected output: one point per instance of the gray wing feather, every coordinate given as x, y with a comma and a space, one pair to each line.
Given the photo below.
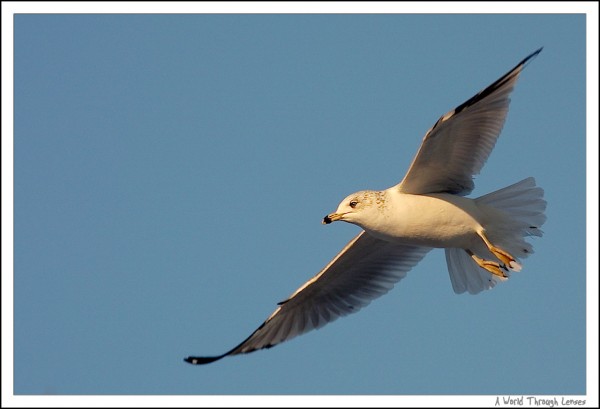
364, 270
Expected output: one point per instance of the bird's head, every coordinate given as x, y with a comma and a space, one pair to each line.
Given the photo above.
359, 208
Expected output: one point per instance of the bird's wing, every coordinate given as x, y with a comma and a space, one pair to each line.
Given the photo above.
364, 270
459, 143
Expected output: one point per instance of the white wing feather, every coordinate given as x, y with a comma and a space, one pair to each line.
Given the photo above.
458, 145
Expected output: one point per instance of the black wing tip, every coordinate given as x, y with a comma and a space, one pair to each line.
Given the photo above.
490, 88
201, 360
531, 56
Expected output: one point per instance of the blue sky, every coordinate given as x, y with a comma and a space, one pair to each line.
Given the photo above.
171, 173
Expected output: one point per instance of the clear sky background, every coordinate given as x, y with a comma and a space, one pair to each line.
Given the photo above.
171, 173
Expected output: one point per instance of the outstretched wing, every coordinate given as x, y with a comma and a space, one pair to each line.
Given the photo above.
364, 270
459, 143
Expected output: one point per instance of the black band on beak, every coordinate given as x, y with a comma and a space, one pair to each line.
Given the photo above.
327, 220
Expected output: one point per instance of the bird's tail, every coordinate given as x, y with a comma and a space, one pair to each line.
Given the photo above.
515, 212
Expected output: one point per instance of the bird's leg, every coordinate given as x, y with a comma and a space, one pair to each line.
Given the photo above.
490, 266
508, 260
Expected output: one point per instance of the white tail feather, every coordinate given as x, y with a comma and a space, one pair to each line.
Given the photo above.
466, 275
516, 212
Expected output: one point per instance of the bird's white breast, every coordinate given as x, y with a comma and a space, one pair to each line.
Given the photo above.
434, 220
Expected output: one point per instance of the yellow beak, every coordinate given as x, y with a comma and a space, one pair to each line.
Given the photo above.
330, 218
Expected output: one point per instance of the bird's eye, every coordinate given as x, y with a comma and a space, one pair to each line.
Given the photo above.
353, 204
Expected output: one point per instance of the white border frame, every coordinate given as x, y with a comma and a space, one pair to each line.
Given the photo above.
9, 9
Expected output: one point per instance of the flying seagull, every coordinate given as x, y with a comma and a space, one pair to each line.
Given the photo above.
484, 238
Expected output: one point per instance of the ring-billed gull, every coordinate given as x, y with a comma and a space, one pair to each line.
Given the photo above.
483, 238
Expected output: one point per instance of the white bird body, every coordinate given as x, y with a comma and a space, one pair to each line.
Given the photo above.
483, 237
437, 220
